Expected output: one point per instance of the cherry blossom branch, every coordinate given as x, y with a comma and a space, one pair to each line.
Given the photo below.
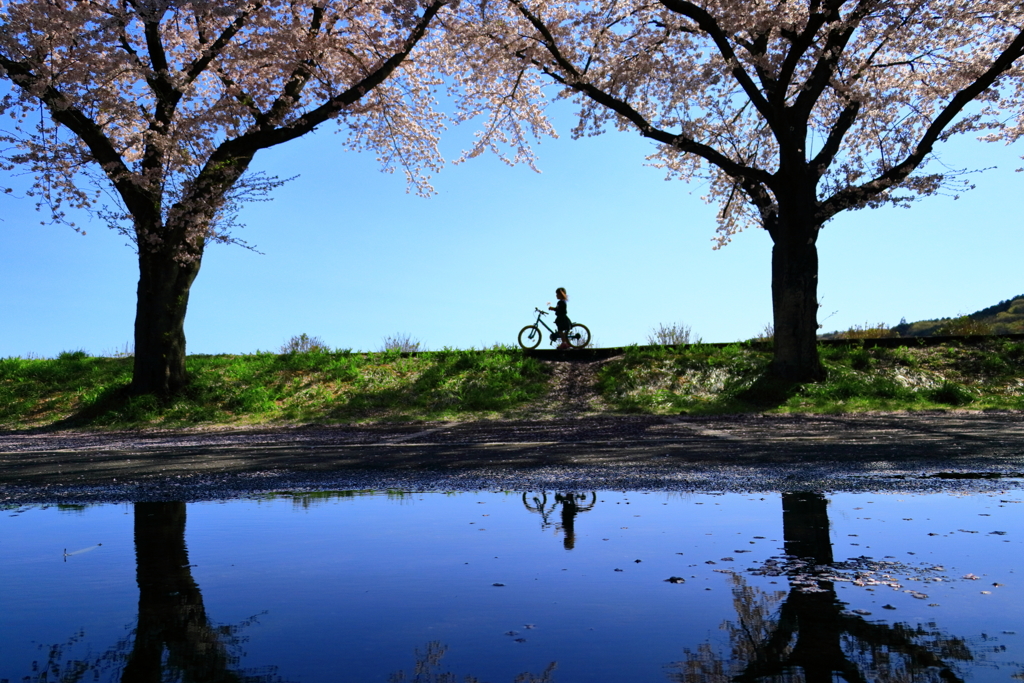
265, 138
827, 154
861, 194
86, 129
574, 80
826, 65
709, 25
200, 64
298, 79
241, 96
800, 43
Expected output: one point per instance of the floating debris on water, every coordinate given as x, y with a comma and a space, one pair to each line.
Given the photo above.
863, 571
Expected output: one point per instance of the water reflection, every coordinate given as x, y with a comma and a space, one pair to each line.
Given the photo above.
570, 505
174, 633
428, 669
807, 634
348, 583
174, 638
805, 526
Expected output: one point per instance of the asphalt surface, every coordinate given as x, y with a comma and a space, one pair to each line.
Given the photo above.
919, 451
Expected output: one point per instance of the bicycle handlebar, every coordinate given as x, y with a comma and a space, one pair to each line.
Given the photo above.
540, 311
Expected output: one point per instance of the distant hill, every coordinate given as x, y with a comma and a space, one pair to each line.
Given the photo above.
1006, 317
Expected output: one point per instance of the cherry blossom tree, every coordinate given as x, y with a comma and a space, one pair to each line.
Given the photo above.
166, 102
789, 111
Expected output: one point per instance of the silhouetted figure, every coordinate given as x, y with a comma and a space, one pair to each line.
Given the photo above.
571, 504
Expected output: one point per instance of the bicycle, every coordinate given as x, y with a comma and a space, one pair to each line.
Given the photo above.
530, 336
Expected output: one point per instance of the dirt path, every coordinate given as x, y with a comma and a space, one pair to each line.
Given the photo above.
748, 452
573, 391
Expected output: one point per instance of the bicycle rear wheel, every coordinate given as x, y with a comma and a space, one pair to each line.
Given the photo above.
579, 336
529, 337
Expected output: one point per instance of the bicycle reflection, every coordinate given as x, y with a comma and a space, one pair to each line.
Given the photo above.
569, 505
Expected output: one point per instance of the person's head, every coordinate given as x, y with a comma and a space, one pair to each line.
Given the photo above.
560, 293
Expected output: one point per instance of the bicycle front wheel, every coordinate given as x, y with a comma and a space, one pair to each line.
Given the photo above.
579, 336
529, 337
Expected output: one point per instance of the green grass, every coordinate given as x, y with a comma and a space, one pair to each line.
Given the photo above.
711, 380
76, 391
269, 388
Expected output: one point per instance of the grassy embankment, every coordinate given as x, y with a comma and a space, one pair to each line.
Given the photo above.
74, 390
714, 380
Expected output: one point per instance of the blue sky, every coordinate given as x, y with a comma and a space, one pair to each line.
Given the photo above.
350, 257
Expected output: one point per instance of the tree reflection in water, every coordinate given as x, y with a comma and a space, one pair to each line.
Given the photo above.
806, 635
173, 639
571, 504
428, 670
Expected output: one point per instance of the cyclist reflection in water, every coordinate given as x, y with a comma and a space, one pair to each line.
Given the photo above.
570, 508
571, 504
562, 321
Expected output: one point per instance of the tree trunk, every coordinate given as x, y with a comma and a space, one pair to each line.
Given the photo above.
174, 639
795, 301
805, 526
164, 285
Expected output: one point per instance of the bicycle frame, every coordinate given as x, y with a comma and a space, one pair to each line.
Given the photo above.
577, 336
540, 321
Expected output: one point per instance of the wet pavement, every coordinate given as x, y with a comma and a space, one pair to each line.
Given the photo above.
919, 451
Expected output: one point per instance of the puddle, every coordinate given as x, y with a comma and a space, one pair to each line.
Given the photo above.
568, 586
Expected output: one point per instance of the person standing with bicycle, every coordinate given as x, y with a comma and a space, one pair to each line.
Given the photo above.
572, 335
562, 322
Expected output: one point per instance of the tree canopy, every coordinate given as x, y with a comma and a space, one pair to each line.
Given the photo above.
166, 102
789, 112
